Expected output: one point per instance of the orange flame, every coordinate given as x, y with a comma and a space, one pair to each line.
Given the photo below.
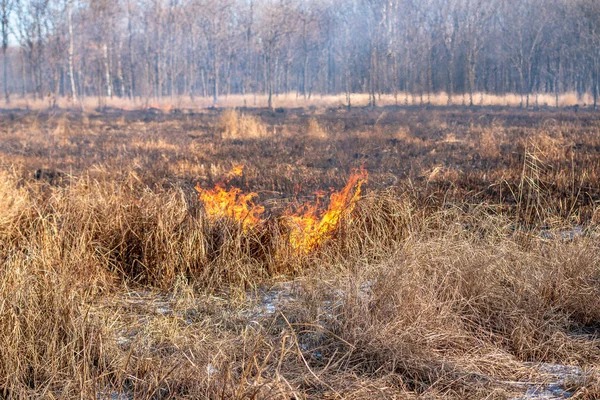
237, 170
222, 203
310, 228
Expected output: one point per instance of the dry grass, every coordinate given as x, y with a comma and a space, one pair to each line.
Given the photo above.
472, 259
13, 199
241, 126
290, 100
315, 131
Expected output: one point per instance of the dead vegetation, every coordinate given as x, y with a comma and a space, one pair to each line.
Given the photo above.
235, 125
466, 267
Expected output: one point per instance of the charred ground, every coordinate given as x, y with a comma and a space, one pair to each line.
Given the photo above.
463, 156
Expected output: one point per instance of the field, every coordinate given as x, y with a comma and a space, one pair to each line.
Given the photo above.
152, 254
293, 100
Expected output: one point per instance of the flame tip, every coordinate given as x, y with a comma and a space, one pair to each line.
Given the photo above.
308, 225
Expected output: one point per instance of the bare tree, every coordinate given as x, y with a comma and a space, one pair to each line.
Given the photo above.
276, 25
216, 17
589, 18
524, 27
450, 24
155, 48
71, 50
5, 11
478, 14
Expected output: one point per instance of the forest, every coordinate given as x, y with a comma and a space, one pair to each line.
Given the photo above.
411, 49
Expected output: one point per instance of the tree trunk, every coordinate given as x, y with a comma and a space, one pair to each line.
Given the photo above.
269, 81
215, 76
305, 74
595, 83
203, 81
5, 27
347, 79
471, 62
5, 68
373, 77
107, 71
23, 74
130, 51
71, 52
120, 75
522, 85
395, 77
450, 77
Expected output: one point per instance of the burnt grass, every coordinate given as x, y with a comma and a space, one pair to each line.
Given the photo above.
470, 265
455, 156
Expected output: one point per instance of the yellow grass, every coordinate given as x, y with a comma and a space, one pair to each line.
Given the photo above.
235, 125
290, 100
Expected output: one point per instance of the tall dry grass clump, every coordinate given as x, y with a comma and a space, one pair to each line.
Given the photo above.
452, 312
120, 230
48, 342
454, 308
13, 199
67, 250
314, 130
488, 142
235, 125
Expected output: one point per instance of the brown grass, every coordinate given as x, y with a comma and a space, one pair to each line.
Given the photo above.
314, 130
471, 260
241, 126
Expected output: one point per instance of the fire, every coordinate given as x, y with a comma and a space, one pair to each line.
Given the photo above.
237, 170
309, 228
309, 225
220, 202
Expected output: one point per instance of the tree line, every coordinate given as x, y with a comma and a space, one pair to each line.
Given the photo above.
211, 48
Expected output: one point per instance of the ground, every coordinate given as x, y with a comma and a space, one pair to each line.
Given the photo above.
466, 267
